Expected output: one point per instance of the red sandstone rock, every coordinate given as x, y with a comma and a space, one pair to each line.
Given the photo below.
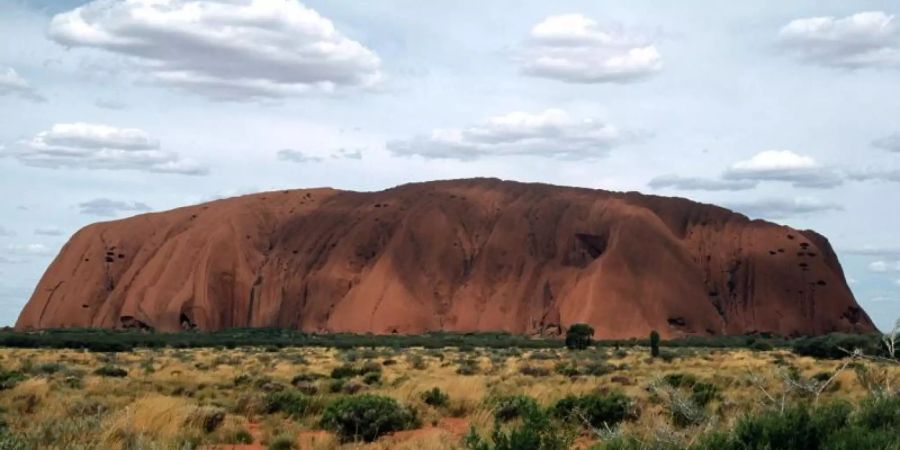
463, 255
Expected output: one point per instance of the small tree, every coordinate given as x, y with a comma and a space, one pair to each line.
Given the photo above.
654, 344
890, 340
578, 336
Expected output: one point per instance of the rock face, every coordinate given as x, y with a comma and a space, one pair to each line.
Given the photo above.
463, 255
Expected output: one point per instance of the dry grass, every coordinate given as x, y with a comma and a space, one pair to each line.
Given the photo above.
158, 403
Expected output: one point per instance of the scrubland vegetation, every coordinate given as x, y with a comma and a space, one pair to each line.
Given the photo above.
765, 394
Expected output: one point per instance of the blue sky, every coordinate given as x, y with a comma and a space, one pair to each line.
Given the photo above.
786, 112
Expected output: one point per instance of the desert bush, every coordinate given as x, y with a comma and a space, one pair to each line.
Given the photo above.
9, 378
240, 436
513, 406
366, 417
597, 368
283, 442
468, 366
578, 336
435, 397
534, 371
566, 368
596, 410
371, 378
293, 403
836, 345
417, 362
206, 418
537, 431
654, 343
111, 371
345, 371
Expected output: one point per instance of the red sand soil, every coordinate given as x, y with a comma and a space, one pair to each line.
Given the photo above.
461, 255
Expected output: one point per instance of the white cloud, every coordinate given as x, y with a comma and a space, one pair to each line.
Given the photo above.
890, 143
785, 166
869, 250
48, 231
700, 184
576, 49
297, 156
551, 133
230, 50
866, 39
882, 266
109, 208
780, 208
28, 250
11, 83
875, 174
97, 146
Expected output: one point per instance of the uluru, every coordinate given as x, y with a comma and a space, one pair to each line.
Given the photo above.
457, 255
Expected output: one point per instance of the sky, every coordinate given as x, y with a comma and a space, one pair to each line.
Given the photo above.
788, 112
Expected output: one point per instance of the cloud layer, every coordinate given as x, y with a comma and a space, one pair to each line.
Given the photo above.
551, 133
780, 208
98, 146
226, 50
890, 143
770, 165
866, 39
105, 207
576, 49
11, 83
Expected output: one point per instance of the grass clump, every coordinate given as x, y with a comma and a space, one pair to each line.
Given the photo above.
435, 397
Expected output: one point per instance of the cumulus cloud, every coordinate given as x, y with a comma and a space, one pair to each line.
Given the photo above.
890, 143
11, 83
865, 39
785, 166
229, 50
770, 165
576, 49
700, 184
109, 208
48, 231
780, 208
297, 156
97, 146
552, 133
882, 266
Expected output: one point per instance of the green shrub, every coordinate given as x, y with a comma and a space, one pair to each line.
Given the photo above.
10, 378
597, 368
534, 371
578, 336
435, 397
654, 344
366, 417
598, 410
111, 371
345, 371
468, 367
283, 442
240, 436
371, 378
514, 406
536, 432
833, 345
291, 402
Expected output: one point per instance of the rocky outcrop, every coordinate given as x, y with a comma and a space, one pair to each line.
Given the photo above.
461, 255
